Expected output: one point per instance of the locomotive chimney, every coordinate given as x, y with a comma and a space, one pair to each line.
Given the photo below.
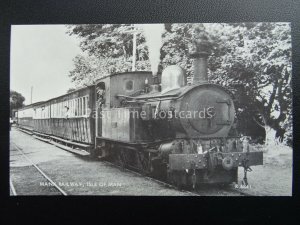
200, 53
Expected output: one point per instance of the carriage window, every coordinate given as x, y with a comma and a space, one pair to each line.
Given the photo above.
87, 104
129, 85
100, 93
84, 106
80, 106
80, 109
60, 109
55, 109
73, 107
70, 107
76, 105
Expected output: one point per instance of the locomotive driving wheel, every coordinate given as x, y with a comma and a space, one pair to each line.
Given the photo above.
178, 178
144, 162
120, 158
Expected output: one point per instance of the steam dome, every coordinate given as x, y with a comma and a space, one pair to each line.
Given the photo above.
172, 77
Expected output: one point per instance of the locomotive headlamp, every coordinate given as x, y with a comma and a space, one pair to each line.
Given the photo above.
245, 145
227, 163
199, 149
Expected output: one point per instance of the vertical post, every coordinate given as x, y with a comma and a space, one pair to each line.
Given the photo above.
31, 95
134, 50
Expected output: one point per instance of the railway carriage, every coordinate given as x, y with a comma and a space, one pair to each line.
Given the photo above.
71, 116
25, 117
41, 118
66, 119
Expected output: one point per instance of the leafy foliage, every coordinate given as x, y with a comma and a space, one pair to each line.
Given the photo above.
256, 65
16, 100
71, 90
109, 50
253, 60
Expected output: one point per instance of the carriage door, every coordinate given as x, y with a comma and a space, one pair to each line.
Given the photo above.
100, 101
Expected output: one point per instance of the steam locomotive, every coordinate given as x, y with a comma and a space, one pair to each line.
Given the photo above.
154, 123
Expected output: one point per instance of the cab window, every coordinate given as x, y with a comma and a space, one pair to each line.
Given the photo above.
129, 85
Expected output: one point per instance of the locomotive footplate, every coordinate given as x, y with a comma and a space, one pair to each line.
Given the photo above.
211, 160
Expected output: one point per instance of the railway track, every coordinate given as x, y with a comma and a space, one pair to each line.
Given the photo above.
150, 178
53, 184
226, 191
139, 174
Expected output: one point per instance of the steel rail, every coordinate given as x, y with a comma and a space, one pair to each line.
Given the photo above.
164, 183
170, 185
43, 174
150, 178
13, 190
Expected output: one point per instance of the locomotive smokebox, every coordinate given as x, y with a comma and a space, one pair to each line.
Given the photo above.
201, 51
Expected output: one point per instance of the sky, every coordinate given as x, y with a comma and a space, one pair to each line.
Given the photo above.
41, 57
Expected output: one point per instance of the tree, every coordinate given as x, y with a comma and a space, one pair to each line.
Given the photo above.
253, 60
87, 69
109, 50
71, 90
16, 101
104, 40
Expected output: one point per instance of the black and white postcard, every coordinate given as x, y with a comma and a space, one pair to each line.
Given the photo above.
151, 109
